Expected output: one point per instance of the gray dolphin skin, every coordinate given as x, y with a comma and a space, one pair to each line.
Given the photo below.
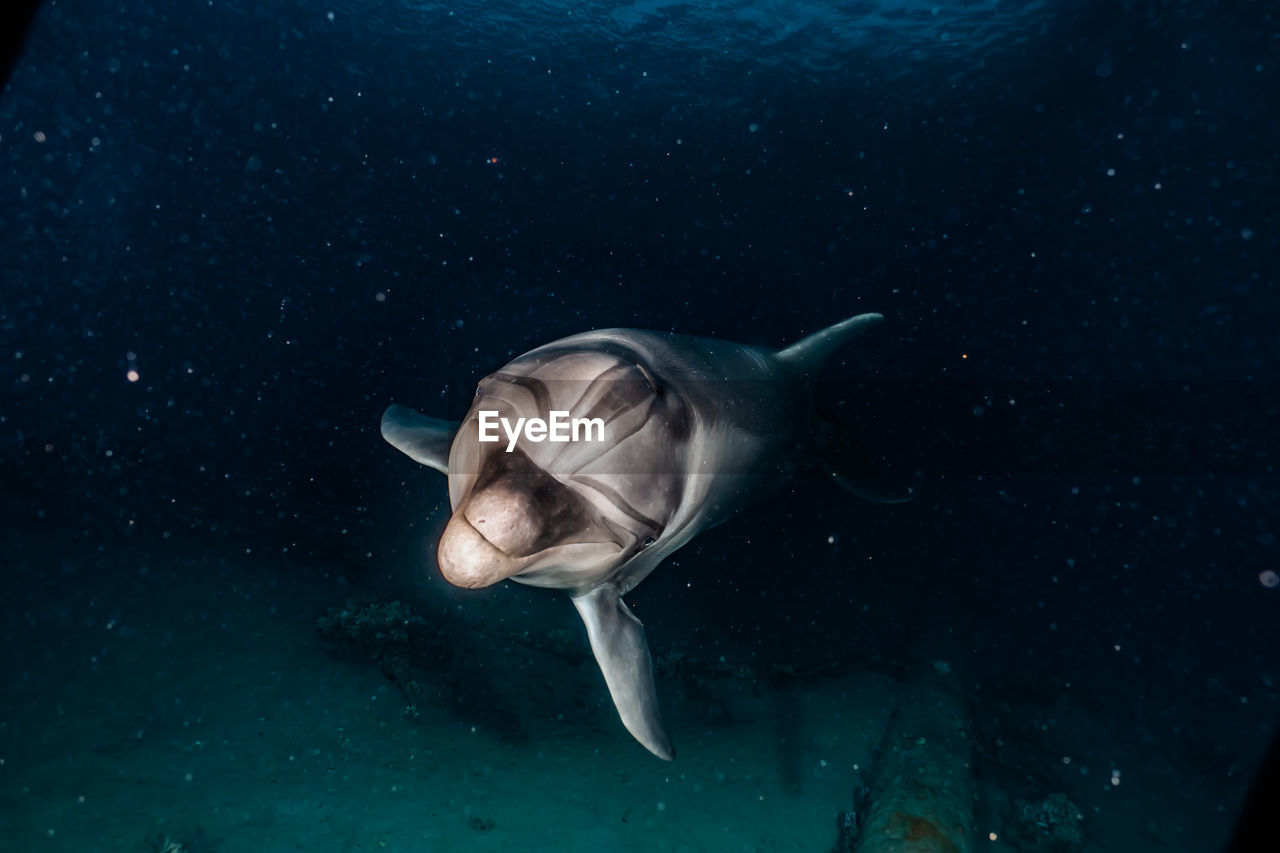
686, 431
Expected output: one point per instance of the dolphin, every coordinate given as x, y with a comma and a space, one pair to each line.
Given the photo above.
686, 431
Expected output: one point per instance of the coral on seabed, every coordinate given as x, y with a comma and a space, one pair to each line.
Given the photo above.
369, 624
420, 655
385, 631
480, 824
1052, 825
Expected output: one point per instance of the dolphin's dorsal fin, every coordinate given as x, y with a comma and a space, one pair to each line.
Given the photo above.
808, 354
422, 439
617, 638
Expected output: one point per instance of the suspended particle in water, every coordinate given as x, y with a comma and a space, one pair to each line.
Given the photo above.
1269, 579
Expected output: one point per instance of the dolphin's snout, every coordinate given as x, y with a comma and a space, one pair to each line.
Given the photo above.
506, 518
469, 560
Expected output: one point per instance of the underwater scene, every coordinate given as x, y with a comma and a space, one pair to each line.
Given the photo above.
501, 425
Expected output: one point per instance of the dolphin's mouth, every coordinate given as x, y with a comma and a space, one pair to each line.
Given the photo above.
514, 514
521, 509
469, 560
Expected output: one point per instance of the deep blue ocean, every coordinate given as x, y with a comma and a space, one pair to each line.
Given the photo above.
233, 233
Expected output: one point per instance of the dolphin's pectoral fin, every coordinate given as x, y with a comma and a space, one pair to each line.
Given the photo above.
617, 638
848, 462
422, 439
871, 487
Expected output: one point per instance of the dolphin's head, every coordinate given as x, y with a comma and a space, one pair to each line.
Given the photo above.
562, 513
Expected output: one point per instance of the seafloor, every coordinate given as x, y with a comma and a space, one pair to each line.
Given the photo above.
194, 702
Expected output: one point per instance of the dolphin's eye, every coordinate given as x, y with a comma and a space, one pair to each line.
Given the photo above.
648, 540
649, 381
479, 391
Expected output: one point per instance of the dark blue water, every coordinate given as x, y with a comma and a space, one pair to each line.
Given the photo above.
283, 216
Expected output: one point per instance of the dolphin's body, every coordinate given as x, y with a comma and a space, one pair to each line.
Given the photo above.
692, 429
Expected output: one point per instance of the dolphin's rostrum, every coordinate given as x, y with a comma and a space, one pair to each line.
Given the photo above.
693, 427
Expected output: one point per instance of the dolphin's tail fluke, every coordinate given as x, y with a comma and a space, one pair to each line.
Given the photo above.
617, 638
808, 354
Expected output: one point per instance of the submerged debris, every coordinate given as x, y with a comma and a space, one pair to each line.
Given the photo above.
846, 832
1052, 825
922, 790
